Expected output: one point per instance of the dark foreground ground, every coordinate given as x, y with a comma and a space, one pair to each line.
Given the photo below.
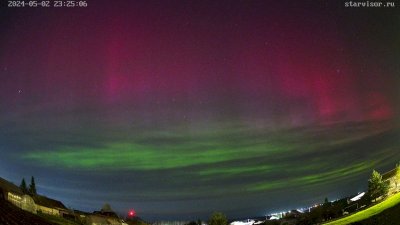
12, 215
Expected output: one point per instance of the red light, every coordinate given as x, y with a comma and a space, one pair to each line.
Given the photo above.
132, 213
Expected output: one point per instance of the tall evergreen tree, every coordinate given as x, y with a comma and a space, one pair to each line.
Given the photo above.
376, 186
32, 186
23, 187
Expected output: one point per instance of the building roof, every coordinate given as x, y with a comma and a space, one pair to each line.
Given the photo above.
101, 219
97, 219
108, 214
7, 186
357, 197
389, 174
48, 202
81, 212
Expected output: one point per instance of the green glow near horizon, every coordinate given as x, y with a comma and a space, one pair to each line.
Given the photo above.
140, 157
127, 156
209, 158
318, 178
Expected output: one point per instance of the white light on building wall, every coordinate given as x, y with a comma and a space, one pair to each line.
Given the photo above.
11, 195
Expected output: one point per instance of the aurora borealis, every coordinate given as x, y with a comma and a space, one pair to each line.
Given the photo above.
181, 108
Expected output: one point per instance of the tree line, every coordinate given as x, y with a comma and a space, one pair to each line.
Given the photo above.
31, 190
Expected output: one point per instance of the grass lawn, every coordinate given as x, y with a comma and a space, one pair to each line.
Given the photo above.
369, 212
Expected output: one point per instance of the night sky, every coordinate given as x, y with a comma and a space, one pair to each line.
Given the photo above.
181, 108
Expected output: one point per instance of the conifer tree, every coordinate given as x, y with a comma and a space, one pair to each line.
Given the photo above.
23, 187
32, 186
376, 186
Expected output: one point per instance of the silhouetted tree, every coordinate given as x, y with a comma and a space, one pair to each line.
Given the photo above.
326, 202
23, 187
32, 187
106, 208
217, 218
191, 223
376, 186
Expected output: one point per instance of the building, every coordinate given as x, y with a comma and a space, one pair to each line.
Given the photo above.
393, 179
99, 219
106, 216
10, 192
81, 216
33, 204
96, 220
12, 215
50, 206
13, 194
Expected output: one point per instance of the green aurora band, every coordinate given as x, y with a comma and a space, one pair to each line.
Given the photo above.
252, 155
